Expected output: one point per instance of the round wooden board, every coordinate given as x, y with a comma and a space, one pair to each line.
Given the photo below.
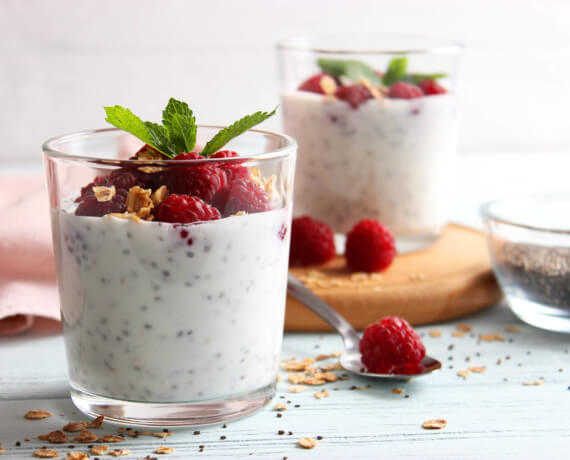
451, 279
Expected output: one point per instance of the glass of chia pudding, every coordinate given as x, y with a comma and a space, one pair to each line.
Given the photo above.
172, 272
376, 119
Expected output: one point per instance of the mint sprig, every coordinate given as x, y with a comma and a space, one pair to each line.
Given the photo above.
396, 71
234, 130
177, 134
355, 70
351, 69
180, 125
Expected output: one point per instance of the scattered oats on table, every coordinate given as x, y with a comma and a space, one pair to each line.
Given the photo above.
77, 456
398, 391
73, 427
511, 328
436, 424
321, 394
281, 407
119, 453
37, 414
463, 327
477, 369
434, 333
296, 378
308, 443
164, 450
162, 434
464, 373
458, 334
111, 438
535, 383
46, 453
96, 422
99, 450
297, 388
491, 337
85, 436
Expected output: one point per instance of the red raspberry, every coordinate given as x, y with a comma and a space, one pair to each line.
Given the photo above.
403, 90
122, 179
313, 84
312, 242
242, 195
430, 86
370, 247
391, 345
203, 181
354, 94
90, 206
234, 170
184, 209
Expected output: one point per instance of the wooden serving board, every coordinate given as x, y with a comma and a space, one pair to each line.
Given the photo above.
451, 279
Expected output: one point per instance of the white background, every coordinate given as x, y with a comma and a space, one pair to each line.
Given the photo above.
62, 61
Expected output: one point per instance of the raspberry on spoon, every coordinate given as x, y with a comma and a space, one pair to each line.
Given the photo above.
391, 346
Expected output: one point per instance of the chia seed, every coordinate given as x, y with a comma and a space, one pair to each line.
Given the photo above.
541, 273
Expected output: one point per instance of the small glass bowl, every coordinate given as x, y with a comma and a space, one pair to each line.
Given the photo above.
529, 244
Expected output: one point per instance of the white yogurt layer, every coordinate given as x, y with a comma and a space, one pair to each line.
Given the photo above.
170, 312
390, 160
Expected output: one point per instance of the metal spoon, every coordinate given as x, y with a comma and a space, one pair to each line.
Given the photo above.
350, 358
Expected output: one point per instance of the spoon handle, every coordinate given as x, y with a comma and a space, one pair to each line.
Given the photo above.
317, 305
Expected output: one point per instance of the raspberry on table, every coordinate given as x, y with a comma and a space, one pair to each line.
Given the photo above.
312, 242
430, 87
391, 346
370, 247
313, 84
233, 169
354, 94
185, 209
203, 180
242, 195
403, 90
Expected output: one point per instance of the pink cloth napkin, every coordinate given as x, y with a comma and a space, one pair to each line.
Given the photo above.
27, 268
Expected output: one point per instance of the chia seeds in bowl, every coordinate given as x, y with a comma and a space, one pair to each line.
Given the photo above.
529, 244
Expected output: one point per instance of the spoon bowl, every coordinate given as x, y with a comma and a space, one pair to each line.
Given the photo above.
350, 358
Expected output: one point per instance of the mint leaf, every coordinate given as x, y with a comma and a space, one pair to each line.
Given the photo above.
351, 69
227, 134
416, 78
150, 133
160, 140
127, 121
396, 71
180, 125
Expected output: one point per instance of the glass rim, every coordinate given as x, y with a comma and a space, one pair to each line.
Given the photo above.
49, 149
303, 43
487, 213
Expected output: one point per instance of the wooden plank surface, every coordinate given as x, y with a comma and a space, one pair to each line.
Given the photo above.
451, 279
487, 416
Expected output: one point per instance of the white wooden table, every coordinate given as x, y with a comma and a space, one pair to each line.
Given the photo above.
490, 415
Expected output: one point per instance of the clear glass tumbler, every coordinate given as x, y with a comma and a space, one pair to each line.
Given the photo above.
169, 323
370, 147
529, 244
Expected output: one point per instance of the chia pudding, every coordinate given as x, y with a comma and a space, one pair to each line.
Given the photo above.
155, 311
172, 265
388, 159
